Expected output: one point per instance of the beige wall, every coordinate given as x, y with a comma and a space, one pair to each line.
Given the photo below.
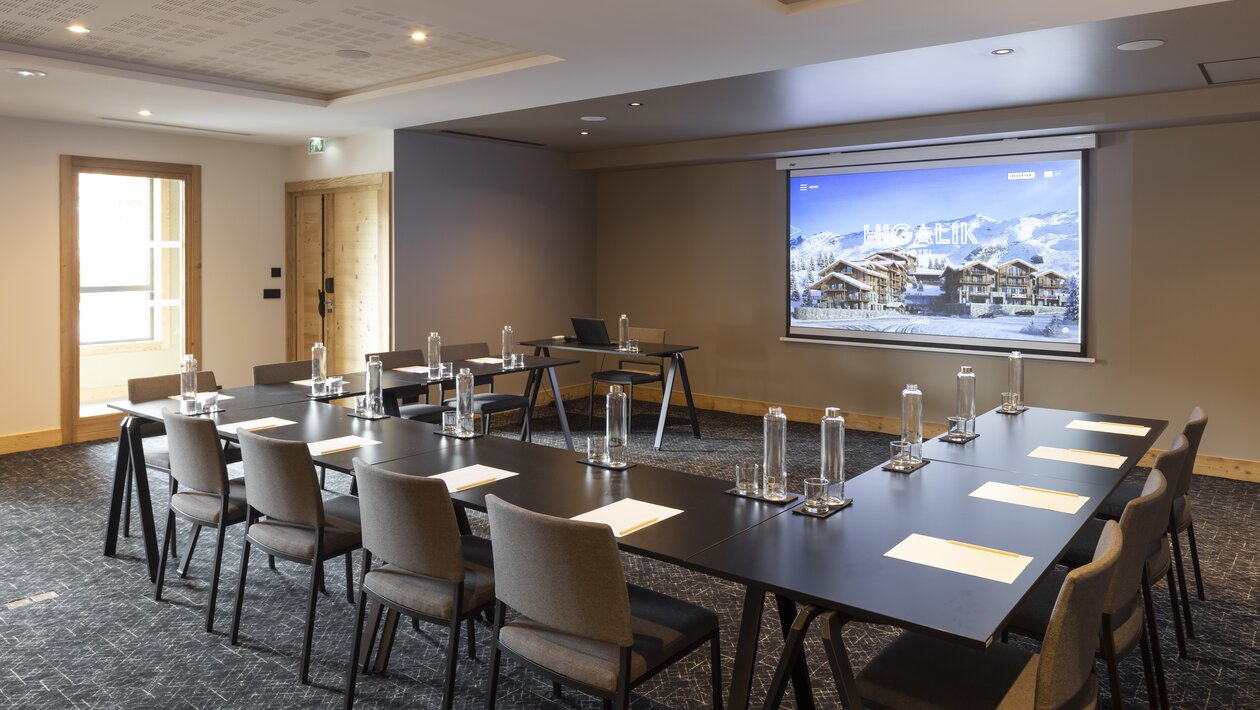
353, 155
242, 236
487, 235
700, 250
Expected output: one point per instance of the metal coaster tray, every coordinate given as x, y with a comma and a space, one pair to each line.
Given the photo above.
791, 497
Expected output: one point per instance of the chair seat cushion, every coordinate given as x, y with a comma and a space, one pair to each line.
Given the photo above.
1032, 617
423, 412
342, 531
917, 671
1181, 513
625, 377
663, 626
432, 597
1113, 506
1081, 551
206, 507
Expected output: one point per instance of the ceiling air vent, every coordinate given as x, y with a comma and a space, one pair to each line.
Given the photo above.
479, 136
789, 7
1231, 70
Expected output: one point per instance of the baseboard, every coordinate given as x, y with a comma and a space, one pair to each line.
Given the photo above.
29, 440
1205, 465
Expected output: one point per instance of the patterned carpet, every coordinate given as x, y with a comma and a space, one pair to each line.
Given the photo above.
102, 642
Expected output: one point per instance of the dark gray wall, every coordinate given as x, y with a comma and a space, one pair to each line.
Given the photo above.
487, 235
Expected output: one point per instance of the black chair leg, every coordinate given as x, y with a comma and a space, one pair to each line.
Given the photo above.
166, 545
271, 561
355, 649
1157, 655
192, 545
715, 670
349, 579
214, 579
126, 515
319, 574
1176, 612
556, 689
323, 473
471, 631
452, 660
1194, 560
1148, 670
304, 671
1180, 568
492, 686
1113, 673
240, 593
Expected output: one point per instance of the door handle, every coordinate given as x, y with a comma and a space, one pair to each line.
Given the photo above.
328, 304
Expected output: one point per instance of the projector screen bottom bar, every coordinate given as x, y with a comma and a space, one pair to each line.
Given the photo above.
963, 351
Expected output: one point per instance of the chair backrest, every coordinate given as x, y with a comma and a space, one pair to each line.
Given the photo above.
1067, 652
280, 480
278, 373
1171, 463
647, 335
395, 359
1193, 431
409, 521
147, 389
562, 573
465, 351
1139, 519
196, 458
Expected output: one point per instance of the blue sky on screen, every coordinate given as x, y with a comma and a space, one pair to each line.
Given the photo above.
845, 203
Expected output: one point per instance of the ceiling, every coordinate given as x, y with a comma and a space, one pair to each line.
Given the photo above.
267, 70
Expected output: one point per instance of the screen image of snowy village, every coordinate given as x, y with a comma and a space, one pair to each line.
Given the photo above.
990, 252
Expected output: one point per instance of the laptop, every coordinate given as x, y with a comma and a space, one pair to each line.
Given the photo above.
591, 331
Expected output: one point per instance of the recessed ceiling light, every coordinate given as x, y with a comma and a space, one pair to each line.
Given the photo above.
145, 112
635, 103
584, 133
594, 118
1139, 45
1003, 51
78, 29
28, 73
419, 36
352, 54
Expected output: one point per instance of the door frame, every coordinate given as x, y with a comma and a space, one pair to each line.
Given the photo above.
73, 427
382, 185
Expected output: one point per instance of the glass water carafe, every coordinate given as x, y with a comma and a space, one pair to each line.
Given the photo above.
1014, 382
623, 332
319, 367
832, 466
966, 411
912, 422
617, 425
508, 346
375, 397
435, 356
464, 401
774, 454
188, 384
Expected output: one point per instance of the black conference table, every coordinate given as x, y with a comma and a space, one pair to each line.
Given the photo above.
677, 365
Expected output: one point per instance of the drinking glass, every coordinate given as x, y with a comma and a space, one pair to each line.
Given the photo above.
1010, 401
360, 404
816, 495
774, 484
210, 402
597, 449
747, 478
899, 454
632, 345
450, 422
957, 429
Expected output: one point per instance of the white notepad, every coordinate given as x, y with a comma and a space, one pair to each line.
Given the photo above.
1044, 498
628, 515
487, 360
1089, 458
955, 556
255, 424
1109, 427
203, 396
415, 369
462, 479
341, 443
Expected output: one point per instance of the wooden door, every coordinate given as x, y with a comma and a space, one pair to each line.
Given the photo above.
355, 305
308, 213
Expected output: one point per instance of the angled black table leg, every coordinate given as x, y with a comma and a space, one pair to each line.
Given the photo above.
746, 647
792, 662
140, 475
532, 386
564, 420
122, 469
691, 405
666, 392
838, 658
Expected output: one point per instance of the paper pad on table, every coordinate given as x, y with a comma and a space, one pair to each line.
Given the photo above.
341, 443
303, 383
203, 396
1089, 458
472, 476
1046, 499
487, 360
628, 515
415, 369
1109, 427
997, 565
255, 424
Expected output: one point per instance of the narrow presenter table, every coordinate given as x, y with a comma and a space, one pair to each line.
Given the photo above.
677, 365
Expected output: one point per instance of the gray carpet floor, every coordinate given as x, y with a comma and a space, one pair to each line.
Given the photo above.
103, 642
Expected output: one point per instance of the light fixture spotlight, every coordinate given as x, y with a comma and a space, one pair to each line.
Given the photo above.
594, 118
584, 133
419, 36
78, 29
635, 104
1140, 44
145, 112
1003, 51
28, 73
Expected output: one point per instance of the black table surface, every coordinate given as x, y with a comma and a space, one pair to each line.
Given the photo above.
839, 562
248, 397
550, 481
1006, 440
645, 349
318, 421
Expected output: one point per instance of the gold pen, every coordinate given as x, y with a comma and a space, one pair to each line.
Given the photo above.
1048, 490
982, 548
639, 526
339, 449
260, 427
466, 486
1097, 453
1133, 426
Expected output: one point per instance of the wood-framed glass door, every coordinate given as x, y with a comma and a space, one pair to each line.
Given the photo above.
130, 282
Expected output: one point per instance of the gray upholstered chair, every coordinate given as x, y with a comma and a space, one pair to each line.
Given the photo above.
918, 671
630, 371
279, 373
411, 407
580, 624
1123, 627
484, 403
207, 498
299, 525
430, 571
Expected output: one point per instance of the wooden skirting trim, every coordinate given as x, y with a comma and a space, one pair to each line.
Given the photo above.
29, 440
1205, 465
101, 426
